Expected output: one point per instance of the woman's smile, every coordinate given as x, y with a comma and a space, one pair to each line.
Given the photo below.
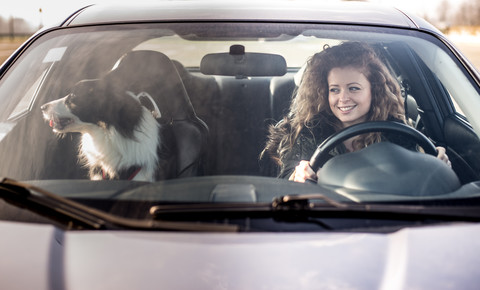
346, 109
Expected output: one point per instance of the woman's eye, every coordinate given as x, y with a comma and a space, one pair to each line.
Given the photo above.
334, 90
354, 89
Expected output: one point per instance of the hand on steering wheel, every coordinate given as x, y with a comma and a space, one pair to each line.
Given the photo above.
303, 172
321, 154
307, 170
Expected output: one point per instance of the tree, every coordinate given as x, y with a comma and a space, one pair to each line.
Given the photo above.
468, 13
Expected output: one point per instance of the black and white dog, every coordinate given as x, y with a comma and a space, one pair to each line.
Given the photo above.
120, 136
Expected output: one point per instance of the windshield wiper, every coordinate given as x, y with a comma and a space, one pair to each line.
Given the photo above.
307, 205
75, 215
304, 202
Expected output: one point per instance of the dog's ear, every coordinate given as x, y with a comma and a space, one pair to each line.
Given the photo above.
123, 112
83, 101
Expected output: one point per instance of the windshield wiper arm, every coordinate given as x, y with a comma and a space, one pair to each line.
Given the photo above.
78, 216
283, 208
306, 206
286, 202
303, 202
49, 205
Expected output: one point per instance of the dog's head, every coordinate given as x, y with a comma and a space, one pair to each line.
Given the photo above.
92, 104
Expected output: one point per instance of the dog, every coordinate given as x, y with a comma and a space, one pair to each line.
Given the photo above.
121, 137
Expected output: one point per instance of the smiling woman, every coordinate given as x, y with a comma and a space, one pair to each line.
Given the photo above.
342, 86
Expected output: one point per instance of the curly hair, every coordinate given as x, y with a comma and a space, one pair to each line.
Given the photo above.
310, 106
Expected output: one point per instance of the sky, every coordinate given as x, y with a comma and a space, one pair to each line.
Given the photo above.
53, 11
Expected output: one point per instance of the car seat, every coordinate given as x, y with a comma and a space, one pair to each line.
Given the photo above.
152, 74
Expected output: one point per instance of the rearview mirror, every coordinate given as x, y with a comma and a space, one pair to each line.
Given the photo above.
242, 64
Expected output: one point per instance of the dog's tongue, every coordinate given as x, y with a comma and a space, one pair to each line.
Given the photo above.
51, 123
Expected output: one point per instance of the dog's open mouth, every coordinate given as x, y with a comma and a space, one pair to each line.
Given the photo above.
60, 123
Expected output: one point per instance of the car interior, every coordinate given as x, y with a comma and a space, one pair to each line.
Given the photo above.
219, 118
185, 134
273, 94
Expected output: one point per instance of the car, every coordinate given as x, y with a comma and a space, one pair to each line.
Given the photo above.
131, 140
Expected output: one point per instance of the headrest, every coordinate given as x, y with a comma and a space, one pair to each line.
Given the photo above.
243, 64
153, 73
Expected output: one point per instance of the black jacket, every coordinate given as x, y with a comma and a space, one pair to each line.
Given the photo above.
310, 138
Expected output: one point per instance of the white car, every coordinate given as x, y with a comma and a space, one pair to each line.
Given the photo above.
131, 141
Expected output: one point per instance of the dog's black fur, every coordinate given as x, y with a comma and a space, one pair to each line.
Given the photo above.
118, 133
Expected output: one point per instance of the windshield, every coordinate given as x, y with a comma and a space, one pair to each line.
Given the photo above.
148, 114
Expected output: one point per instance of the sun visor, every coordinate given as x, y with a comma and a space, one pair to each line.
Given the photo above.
241, 64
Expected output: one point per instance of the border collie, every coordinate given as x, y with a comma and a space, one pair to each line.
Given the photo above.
120, 136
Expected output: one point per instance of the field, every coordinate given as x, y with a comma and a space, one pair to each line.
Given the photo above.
8, 45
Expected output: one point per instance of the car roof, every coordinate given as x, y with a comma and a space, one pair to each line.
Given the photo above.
361, 13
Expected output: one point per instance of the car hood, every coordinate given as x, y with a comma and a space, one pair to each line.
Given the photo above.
438, 257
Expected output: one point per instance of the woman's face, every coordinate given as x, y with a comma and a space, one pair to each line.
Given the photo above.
349, 95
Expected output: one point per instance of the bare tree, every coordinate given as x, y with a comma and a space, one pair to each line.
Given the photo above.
444, 10
468, 13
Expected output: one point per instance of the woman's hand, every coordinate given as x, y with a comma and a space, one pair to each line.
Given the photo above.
302, 172
442, 155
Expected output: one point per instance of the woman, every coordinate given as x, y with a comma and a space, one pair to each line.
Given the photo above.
341, 86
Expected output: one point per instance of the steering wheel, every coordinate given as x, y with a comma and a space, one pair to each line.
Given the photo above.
321, 154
